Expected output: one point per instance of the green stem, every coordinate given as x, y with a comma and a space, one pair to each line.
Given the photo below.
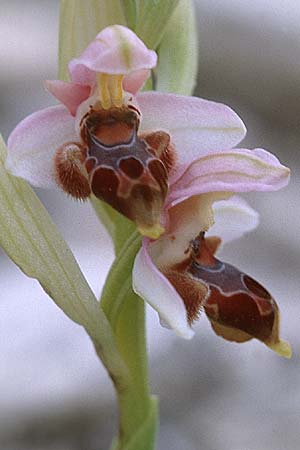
126, 313
135, 401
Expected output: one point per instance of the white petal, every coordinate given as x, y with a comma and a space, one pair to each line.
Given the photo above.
150, 284
32, 144
233, 218
197, 127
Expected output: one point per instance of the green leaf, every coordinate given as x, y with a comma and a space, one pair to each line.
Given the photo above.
178, 52
32, 241
79, 24
131, 12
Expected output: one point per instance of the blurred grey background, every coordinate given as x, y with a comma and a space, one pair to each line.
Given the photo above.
213, 395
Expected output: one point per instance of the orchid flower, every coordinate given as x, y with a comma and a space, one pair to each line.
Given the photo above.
108, 139
179, 275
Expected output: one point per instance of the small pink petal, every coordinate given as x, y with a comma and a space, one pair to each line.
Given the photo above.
32, 144
134, 81
150, 284
233, 218
115, 50
69, 94
197, 127
238, 170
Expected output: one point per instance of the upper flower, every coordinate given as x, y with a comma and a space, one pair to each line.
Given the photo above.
125, 147
116, 61
117, 51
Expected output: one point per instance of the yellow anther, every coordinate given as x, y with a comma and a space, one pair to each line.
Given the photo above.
103, 88
110, 90
116, 89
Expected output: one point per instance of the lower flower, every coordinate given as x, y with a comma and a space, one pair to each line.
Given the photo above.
185, 281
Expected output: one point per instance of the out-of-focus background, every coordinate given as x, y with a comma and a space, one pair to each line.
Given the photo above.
214, 395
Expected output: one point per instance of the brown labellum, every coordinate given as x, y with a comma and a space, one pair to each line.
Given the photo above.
128, 171
238, 307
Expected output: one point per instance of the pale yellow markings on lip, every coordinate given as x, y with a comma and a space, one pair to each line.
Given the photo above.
249, 158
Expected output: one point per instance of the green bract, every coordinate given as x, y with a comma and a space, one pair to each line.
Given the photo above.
149, 18
178, 52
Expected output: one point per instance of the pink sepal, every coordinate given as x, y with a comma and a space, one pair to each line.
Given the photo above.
32, 144
69, 94
197, 126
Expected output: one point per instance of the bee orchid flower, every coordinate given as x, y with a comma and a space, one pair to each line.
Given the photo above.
161, 160
109, 139
179, 274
